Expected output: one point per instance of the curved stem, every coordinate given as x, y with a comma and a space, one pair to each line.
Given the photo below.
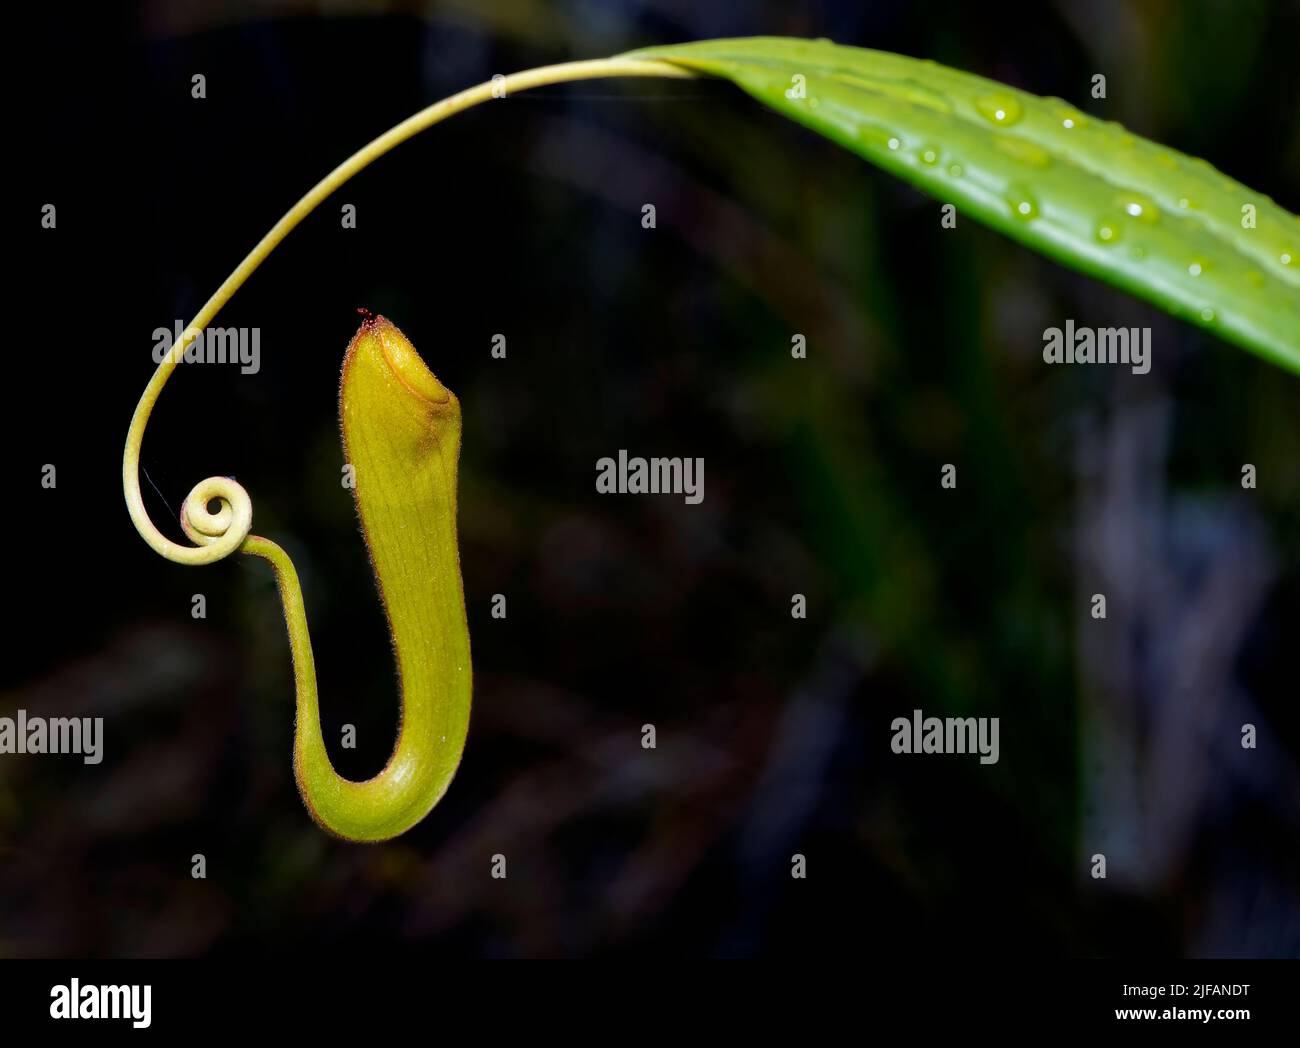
218, 534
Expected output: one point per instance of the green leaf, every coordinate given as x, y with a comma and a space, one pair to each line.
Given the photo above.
1162, 225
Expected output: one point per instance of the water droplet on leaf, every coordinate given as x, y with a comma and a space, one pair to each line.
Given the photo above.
1023, 205
1071, 118
1001, 109
1137, 206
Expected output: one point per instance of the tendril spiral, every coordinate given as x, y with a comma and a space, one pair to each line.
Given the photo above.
436, 679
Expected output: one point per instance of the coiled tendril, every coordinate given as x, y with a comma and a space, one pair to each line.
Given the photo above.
435, 718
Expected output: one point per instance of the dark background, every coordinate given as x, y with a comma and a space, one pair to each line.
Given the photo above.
822, 477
